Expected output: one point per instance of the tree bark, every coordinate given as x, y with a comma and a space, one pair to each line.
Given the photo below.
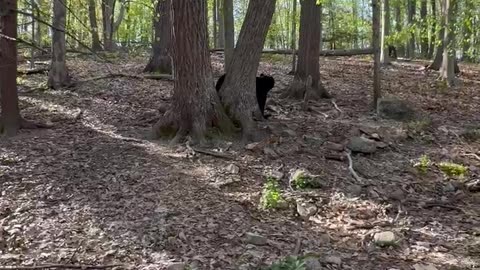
294, 37
10, 115
108, 8
238, 90
447, 71
433, 29
58, 76
229, 25
411, 22
468, 26
376, 51
424, 26
355, 24
195, 103
221, 24
92, 15
215, 21
161, 60
399, 25
385, 57
306, 83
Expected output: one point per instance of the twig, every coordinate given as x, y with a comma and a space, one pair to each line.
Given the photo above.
350, 167
59, 266
477, 157
214, 154
336, 106
19, 40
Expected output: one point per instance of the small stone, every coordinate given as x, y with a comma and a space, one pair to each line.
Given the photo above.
333, 260
176, 266
355, 190
424, 267
396, 194
233, 169
313, 140
396, 109
252, 146
375, 136
256, 239
312, 264
306, 210
449, 187
289, 132
334, 146
386, 238
362, 145
270, 152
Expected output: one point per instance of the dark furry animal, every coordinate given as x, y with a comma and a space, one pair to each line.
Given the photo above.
392, 51
264, 84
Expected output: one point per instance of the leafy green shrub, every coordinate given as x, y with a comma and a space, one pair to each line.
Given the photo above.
301, 180
452, 169
271, 196
423, 164
289, 263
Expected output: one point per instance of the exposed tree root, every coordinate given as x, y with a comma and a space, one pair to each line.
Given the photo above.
350, 167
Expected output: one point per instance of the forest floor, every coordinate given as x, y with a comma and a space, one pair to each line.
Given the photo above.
94, 190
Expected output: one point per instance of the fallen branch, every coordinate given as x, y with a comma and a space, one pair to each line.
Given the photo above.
122, 75
59, 266
211, 153
350, 167
167, 77
322, 53
336, 106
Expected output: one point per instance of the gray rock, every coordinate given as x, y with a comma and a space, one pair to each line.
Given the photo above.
362, 145
386, 238
355, 190
424, 267
334, 146
312, 264
333, 260
256, 239
313, 140
396, 109
233, 169
306, 209
176, 266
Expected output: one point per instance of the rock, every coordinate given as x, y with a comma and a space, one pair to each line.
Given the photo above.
306, 209
312, 264
256, 239
277, 174
395, 193
449, 187
333, 260
473, 186
313, 140
289, 133
355, 190
396, 109
362, 145
301, 179
424, 267
386, 238
176, 266
233, 169
252, 146
334, 146
270, 152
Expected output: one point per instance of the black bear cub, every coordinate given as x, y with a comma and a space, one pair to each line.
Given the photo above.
264, 84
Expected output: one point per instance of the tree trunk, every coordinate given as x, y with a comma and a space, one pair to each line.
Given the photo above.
161, 60
32, 54
294, 36
108, 8
433, 29
385, 57
10, 117
376, 51
468, 25
195, 103
306, 82
92, 14
38, 36
229, 25
411, 22
58, 76
355, 24
238, 90
399, 25
215, 20
221, 24
447, 71
424, 29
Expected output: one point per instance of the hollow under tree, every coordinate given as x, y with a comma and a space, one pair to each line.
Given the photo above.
161, 60
308, 65
238, 90
195, 103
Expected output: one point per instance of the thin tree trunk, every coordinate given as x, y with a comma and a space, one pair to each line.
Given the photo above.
215, 21
433, 29
195, 103
38, 36
355, 24
10, 113
411, 22
92, 15
238, 90
108, 8
376, 52
468, 26
161, 60
221, 24
58, 76
229, 25
385, 57
424, 29
32, 52
294, 37
447, 71
399, 25
307, 84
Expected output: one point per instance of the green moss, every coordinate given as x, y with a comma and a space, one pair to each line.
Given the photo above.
451, 169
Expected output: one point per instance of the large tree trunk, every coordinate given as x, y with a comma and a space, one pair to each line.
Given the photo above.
92, 15
221, 24
399, 25
215, 20
58, 76
385, 57
195, 103
376, 51
447, 71
411, 21
10, 117
424, 27
294, 37
355, 24
306, 82
161, 60
229, 25
433, 29
108, 8
238, 90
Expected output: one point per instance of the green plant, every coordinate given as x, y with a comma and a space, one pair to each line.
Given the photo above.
423, 164
452, 169
419, 126
289, 263
271, 196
